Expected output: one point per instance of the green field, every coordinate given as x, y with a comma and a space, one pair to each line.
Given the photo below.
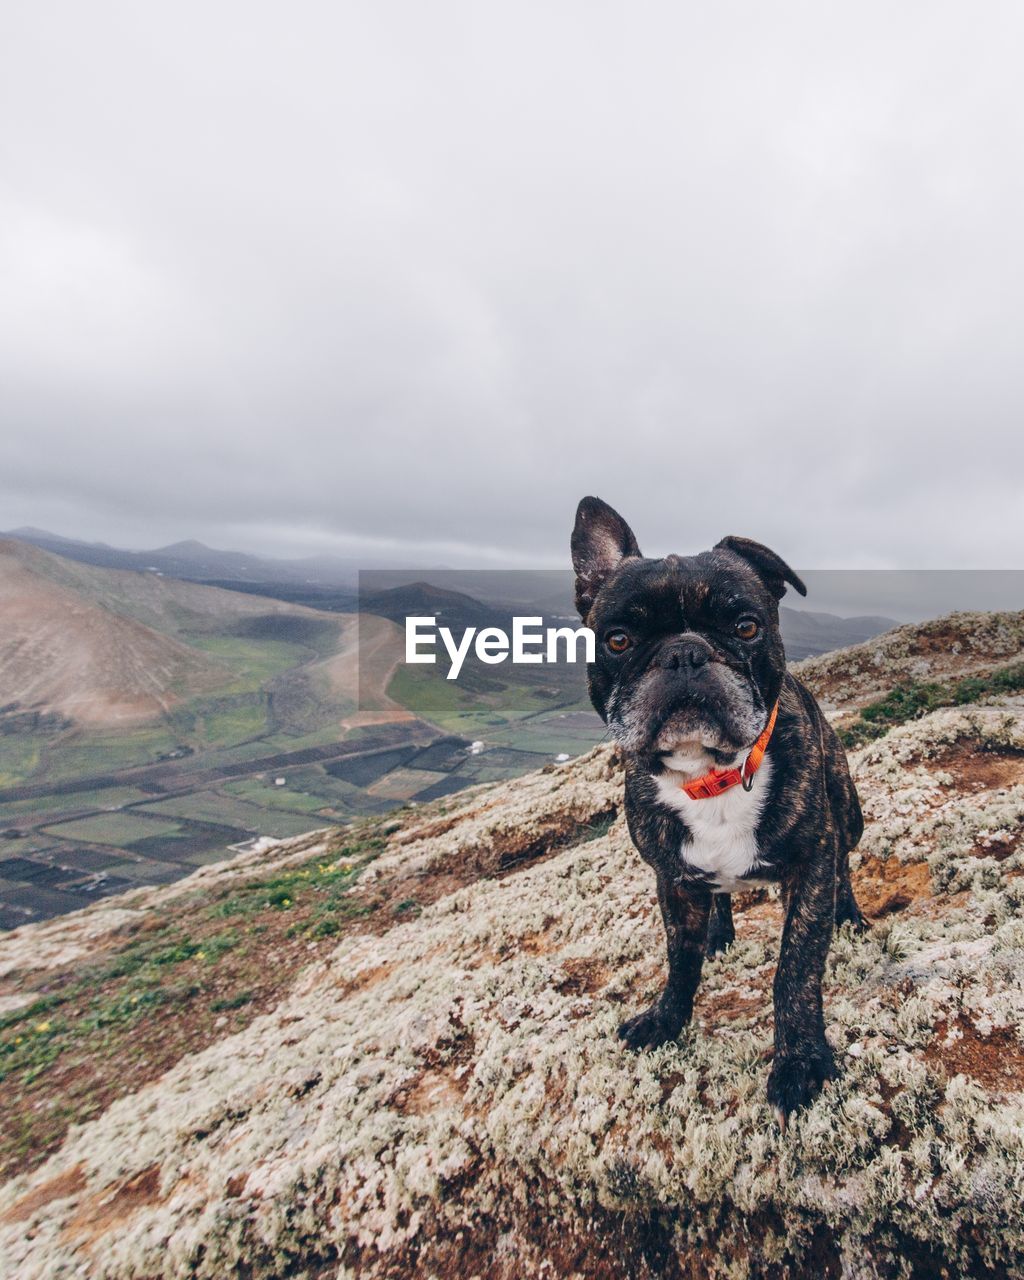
105, 798
441, 702
84, 753
526, 714
19, 756
121, 829
228, 810
239, 720
489, 708
253, 661
35, 842
226, 722
263, 795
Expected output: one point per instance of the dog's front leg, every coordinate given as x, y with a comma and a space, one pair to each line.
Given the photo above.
685, 915
803, 1059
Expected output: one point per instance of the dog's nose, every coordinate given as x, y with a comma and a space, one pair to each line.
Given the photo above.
688, 651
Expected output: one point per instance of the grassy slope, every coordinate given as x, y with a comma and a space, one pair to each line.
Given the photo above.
912, 699
129, 1012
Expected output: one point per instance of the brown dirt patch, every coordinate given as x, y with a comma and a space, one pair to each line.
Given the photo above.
999, 849
367, 978
882, 888
66, 1184
538, 944
439, 826
99, 1212
975, 767
526, 1239
508, 851
668, 1084
729, 1006
936, 640
582, 977
995, 1060
433, 1089
749, 899
760, 908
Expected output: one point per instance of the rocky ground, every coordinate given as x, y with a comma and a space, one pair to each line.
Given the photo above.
391, 1052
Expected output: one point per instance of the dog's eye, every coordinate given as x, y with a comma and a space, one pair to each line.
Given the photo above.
617, 641
747, 628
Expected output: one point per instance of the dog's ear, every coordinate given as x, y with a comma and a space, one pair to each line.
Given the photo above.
601, 540
774, 571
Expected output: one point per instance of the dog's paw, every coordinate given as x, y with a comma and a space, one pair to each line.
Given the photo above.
797, 1079
854, 917
654, 1027
718, 943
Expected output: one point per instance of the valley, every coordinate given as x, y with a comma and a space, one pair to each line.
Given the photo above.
152, 724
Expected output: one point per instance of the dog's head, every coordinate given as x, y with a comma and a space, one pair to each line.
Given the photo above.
689, 659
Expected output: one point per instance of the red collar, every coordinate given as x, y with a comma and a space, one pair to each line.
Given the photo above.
719, 780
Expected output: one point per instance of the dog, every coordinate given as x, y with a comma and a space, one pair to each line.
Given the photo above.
734, 778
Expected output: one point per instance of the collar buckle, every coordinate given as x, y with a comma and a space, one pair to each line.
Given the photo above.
719, 780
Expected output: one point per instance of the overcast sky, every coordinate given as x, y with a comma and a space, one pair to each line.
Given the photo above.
408, 279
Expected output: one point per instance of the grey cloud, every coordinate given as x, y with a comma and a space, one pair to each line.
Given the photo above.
417, 277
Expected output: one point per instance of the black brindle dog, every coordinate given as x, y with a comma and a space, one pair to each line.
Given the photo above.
733, 776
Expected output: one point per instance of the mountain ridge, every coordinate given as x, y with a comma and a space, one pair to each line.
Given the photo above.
192, 559
107, 646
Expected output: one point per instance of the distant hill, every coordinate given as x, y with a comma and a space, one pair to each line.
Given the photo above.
463, 597
806, 633
64, 653
108, 647
196, 562
453, 609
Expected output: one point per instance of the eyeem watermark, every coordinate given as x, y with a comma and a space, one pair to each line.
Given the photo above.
530, 641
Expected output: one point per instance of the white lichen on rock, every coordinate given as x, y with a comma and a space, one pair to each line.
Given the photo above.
449, 1098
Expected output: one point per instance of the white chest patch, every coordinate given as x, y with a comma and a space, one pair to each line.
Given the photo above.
723, 841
